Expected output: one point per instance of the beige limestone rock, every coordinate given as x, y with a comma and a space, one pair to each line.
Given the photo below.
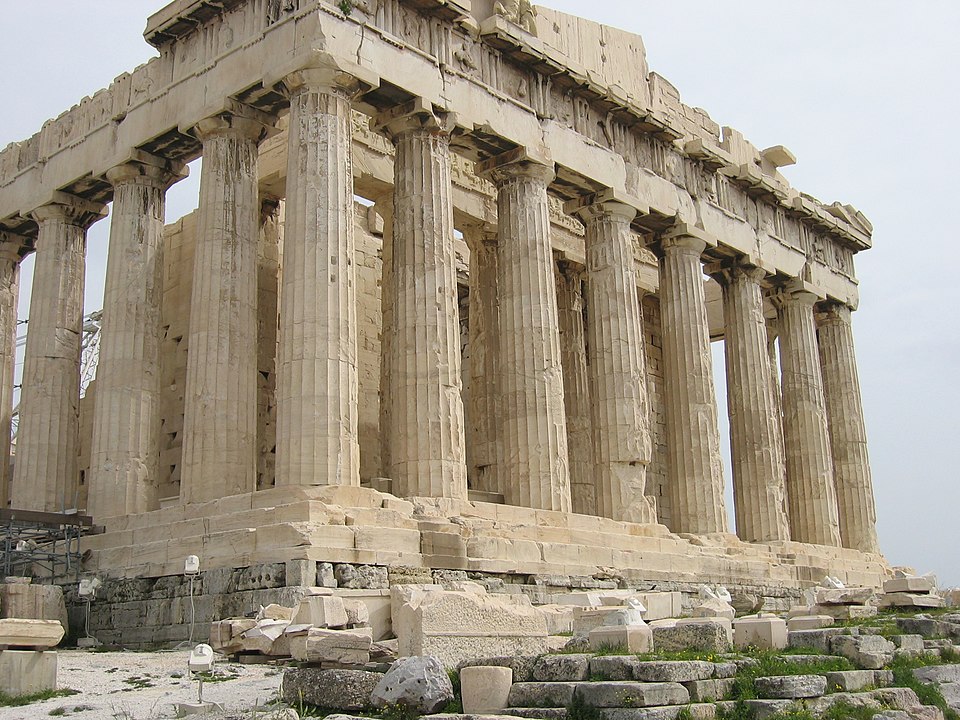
226, 636
843, 596
917, 585
343, 647
27, 672
485, 689
457, 626
30, 633
321, 611
559, 618
715, 608
764, 633
632, 638
809, 622
910, 600
357, 612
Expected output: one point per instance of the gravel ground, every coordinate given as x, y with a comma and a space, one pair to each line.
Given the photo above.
145, 686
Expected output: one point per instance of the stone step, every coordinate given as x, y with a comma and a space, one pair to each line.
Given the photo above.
625, 694
537, 713
790, 687
697, 711
541, 694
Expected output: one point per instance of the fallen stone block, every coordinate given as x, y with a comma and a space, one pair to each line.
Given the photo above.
321, 611
912, 643
562, 668
698, 711
679, 671
264, 635
818, 640
809, 622
715, 607
869, 652
226, 636
791, 687
928, 627
851, 680
613, 667
276, 612
763, 709
26, 601
919, 585
521, 665
542, 694
843, 596
485, 689
420, 684
706, 635
346, 690
357, 612
559, 618
626, 694
938, 674
631, 638
845, 612
909, 600
709, 690
763, 633
343, 647
457, 626
30, 633
27, 672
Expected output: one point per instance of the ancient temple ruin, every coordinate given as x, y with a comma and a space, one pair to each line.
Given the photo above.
446, 304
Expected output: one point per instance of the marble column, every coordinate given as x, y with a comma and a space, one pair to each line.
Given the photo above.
10, 246
484, 440
427, 438
220, 397
576, 387
317, 381
848, 435
758, 470
811, 496
125, 448
46, 474
616, 366
534, 426
388, 321
269, 250
694, 471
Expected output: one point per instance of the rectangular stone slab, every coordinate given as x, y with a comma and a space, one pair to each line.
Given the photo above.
631, 694
30, 633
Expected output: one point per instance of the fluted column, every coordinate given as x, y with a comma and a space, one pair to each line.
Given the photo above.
576, 387
10, 246
220, 398
125, 449
317, 383
848, 435
616, 367
484, 438
535, 465
811, 496
46, 475
388, 321
694, 470
427, 439
758, 470
268, 312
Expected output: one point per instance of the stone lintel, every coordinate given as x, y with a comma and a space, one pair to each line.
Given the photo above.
605, 201
321, 69
417, 114
566, 264
533, 160
75, 210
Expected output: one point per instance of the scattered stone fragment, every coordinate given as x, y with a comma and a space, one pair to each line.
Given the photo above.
851, 680
709, 690
706, 635
30, 633
562, 668
919, 585
715, 607
818, 640
791, 687
343, 647
321, 611
418, 683
485, 689
764, 632
630, 638
809, 622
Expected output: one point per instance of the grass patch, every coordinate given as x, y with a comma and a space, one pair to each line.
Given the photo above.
929, 694
21, 700
455, 706
580, 710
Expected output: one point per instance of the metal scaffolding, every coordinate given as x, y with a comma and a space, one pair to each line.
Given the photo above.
44, 546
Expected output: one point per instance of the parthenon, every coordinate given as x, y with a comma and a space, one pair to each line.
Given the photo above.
447, 302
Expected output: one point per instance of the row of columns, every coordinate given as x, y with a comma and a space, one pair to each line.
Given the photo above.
530, 403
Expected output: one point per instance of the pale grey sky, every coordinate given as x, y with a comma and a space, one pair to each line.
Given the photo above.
864, 92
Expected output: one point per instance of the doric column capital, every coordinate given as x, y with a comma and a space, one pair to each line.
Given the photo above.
832, 312
11, 246
324, 73
238, 121
794, 292
480, 235
71, 210
145, 169
605, 204
741, 269
686, 244
416, 116
518, 164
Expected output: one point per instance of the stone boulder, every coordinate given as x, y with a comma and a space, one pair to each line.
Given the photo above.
791, 687
419, 684
343, 647
715, 607
843, 596
322, 611
707, 635
457, 626
344, 690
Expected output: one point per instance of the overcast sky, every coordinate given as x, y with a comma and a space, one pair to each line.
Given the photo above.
864, 92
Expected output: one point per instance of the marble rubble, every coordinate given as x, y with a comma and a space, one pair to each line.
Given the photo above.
445, 306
